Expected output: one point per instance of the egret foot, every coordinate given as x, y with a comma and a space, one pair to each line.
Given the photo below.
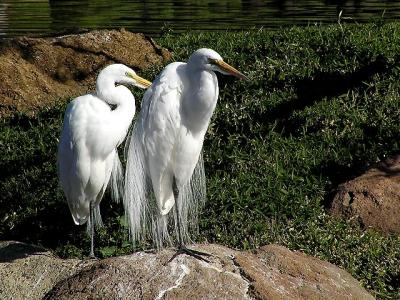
196, 254
182, 248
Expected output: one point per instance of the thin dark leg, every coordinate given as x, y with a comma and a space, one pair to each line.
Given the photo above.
182, 248
178, 219
91, 219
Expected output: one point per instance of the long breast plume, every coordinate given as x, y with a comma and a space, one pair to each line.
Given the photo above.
145, 221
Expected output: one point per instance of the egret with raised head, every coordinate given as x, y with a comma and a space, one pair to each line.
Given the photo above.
94, 125
164, 152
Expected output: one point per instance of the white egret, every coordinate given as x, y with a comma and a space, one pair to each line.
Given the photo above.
87, 151
166, 145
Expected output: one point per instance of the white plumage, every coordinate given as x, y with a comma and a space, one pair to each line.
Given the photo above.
87, 151
166, 145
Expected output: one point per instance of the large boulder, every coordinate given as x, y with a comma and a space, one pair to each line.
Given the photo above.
272, 272
36, 72
150, 276
373, 199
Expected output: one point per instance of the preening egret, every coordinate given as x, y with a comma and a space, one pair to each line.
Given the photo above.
87, 151
166, 145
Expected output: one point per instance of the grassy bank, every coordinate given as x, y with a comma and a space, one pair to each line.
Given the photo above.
321, 106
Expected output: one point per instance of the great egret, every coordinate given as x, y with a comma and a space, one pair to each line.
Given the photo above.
87, 151
166, 145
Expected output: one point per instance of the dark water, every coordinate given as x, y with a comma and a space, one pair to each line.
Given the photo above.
20, 17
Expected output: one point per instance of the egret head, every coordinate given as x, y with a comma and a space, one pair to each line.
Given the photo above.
210, 60
124, 75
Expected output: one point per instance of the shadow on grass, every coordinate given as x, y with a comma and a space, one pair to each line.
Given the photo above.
51, 225
322, 85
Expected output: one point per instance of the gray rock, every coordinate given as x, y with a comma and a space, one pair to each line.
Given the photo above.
29, 272
149, 276
271, 272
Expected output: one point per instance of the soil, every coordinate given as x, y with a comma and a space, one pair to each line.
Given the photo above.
38, 72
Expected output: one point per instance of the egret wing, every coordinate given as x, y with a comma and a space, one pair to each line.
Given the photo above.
148, 156
83, 170
161, 123
73, 159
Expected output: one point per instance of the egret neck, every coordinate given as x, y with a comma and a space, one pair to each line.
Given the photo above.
123, 99
199, 99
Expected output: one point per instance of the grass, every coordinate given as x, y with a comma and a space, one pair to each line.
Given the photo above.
322, 106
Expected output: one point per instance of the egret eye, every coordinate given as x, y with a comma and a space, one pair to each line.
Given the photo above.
212, 61
131, 75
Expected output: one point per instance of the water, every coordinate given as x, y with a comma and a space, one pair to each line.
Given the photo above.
21, 17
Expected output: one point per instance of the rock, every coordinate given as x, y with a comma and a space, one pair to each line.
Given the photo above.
147, 275
373, 199
272, 272
29, 272
36, 72
275, 272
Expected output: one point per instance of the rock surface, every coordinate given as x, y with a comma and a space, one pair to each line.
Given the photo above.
150, 276
373, 199
36, 72
272, 272
275, 272
29, 272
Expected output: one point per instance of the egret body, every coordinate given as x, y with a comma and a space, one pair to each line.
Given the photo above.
166, 146
87, 151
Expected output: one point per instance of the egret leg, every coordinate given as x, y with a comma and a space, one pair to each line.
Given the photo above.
91, 219
182, 249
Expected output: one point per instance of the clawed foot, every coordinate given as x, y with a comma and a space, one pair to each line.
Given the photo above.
196, 254
91, 256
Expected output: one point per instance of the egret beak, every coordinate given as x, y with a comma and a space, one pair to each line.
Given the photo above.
229, 69
141, 81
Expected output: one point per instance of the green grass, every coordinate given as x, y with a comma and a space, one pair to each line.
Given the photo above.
322, 106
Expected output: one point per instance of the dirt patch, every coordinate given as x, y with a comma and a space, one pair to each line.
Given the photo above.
37, 72
373, 199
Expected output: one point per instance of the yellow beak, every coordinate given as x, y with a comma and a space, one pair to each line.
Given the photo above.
145, 83
229, 69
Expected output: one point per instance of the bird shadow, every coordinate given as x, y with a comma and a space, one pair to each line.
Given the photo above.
319, 86
326, 86
18, 250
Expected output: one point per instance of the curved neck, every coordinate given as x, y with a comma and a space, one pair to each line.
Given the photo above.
107, 91
125, 101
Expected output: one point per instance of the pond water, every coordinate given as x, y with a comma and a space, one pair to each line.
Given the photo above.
20, 17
